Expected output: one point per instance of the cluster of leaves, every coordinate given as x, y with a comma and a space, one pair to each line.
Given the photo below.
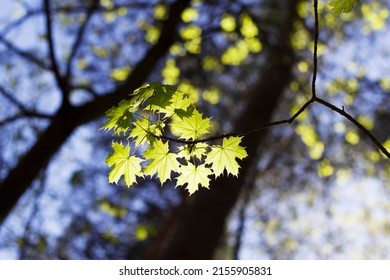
179, 152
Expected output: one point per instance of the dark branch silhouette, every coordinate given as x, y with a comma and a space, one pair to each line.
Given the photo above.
78, 40
25, 54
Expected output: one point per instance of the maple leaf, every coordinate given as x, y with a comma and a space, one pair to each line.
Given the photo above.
162, 97
193, 176
154, 94
340, 6
197, 150
124, 164
144, 92
178, 103
224, 157
191, 127
140, 131
163, 162
119, 117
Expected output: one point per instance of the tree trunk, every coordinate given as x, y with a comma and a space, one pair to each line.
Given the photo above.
201, 223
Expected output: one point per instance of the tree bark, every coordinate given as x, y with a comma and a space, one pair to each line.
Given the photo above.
202, 222
69, 118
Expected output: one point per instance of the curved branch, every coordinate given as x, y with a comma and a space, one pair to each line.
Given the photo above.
356, 123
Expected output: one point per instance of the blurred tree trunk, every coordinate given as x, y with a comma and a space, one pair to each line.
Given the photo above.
201, 222
68, 118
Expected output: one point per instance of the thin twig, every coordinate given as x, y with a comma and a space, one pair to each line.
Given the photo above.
315, 62
12, 99
24, 112
356, 123
78, 40
26, 55
50, 41
16, 117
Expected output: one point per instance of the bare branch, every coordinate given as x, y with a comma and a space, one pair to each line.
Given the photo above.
85, 88
315, 62
50, 40
11, 119
356, 123
16, 23
26, 55
12, 99
19, 116
78, 40
24, 112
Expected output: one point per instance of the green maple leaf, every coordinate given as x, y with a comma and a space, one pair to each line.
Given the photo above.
162, 97
144, 92
340, 6
163, 162
144, 132
197, 150
155, 94
123, 165
194, 176
119, 117
140, 131
178, 103
224, 157
191, 127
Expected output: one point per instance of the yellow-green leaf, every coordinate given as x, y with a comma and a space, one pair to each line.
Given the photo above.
119, 117
224, 157
140, 131
120, 74
123, 164
228, 23
194, 176
191, 127
163, 162
178, 102
342, 6
197, 150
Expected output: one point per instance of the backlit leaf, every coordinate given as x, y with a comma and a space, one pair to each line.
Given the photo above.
224, 157
197, 150
123, 165
119, 117
163, 162
140, 131
194, 176
191, 127
342, 6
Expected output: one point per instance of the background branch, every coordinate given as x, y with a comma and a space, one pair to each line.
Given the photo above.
24, 112
50, 40
78, 40
26, 55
